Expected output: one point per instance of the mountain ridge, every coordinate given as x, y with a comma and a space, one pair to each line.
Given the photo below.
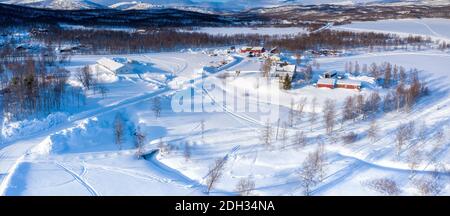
200, 5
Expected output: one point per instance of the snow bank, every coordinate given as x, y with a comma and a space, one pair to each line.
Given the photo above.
14, 130
89, 135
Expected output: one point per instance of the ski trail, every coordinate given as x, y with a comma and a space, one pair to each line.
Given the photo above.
327, 26
80, 179
430, 29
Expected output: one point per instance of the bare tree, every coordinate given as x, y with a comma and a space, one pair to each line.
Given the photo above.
357, 69
245, 186
387, 75
313, 115
402, 134
374, 71
299, 139
430, 186
308, 174
414, 159
156, 107
321, 159
267, 134
329, 112
291, 114
364, 69
266, 67
118, 130
350, 138
308, 73
348, 109
284, 135
372, 104
312, 171
139, 140
359, 104
439, 138
215, 173
385, 186
103, 90
84, 76
372, 132
300, 107
422, 133
187, 151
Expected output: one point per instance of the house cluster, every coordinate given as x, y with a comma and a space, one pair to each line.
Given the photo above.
252, 51
332, 80
279, 68
324, 52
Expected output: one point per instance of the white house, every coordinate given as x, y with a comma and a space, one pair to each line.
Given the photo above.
111, 65
283, 68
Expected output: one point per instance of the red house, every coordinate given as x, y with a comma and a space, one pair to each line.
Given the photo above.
256, 51
326, 83
246, 49
349, 84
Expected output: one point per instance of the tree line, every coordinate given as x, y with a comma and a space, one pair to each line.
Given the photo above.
169, 39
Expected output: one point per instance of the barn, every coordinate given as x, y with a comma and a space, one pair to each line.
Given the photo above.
349, 84
111, 65
326, 83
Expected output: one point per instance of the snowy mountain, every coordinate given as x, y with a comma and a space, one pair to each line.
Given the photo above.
209, 4
56, 4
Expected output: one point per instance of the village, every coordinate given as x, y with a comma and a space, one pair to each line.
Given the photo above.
295, 69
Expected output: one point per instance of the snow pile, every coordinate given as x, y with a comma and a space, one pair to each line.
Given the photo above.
14, 130
89, 135
162, 78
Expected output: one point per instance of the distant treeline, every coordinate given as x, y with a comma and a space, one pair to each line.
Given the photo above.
168, 39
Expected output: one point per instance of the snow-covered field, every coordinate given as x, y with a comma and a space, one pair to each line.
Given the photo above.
438, 29
74, 152
78, 156
273, 31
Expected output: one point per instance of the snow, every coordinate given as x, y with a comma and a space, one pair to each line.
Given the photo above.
74, 153
436, 28
12, 130
348, 81
326, 81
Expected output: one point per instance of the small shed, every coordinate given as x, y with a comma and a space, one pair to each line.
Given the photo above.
326, 83
330, 74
